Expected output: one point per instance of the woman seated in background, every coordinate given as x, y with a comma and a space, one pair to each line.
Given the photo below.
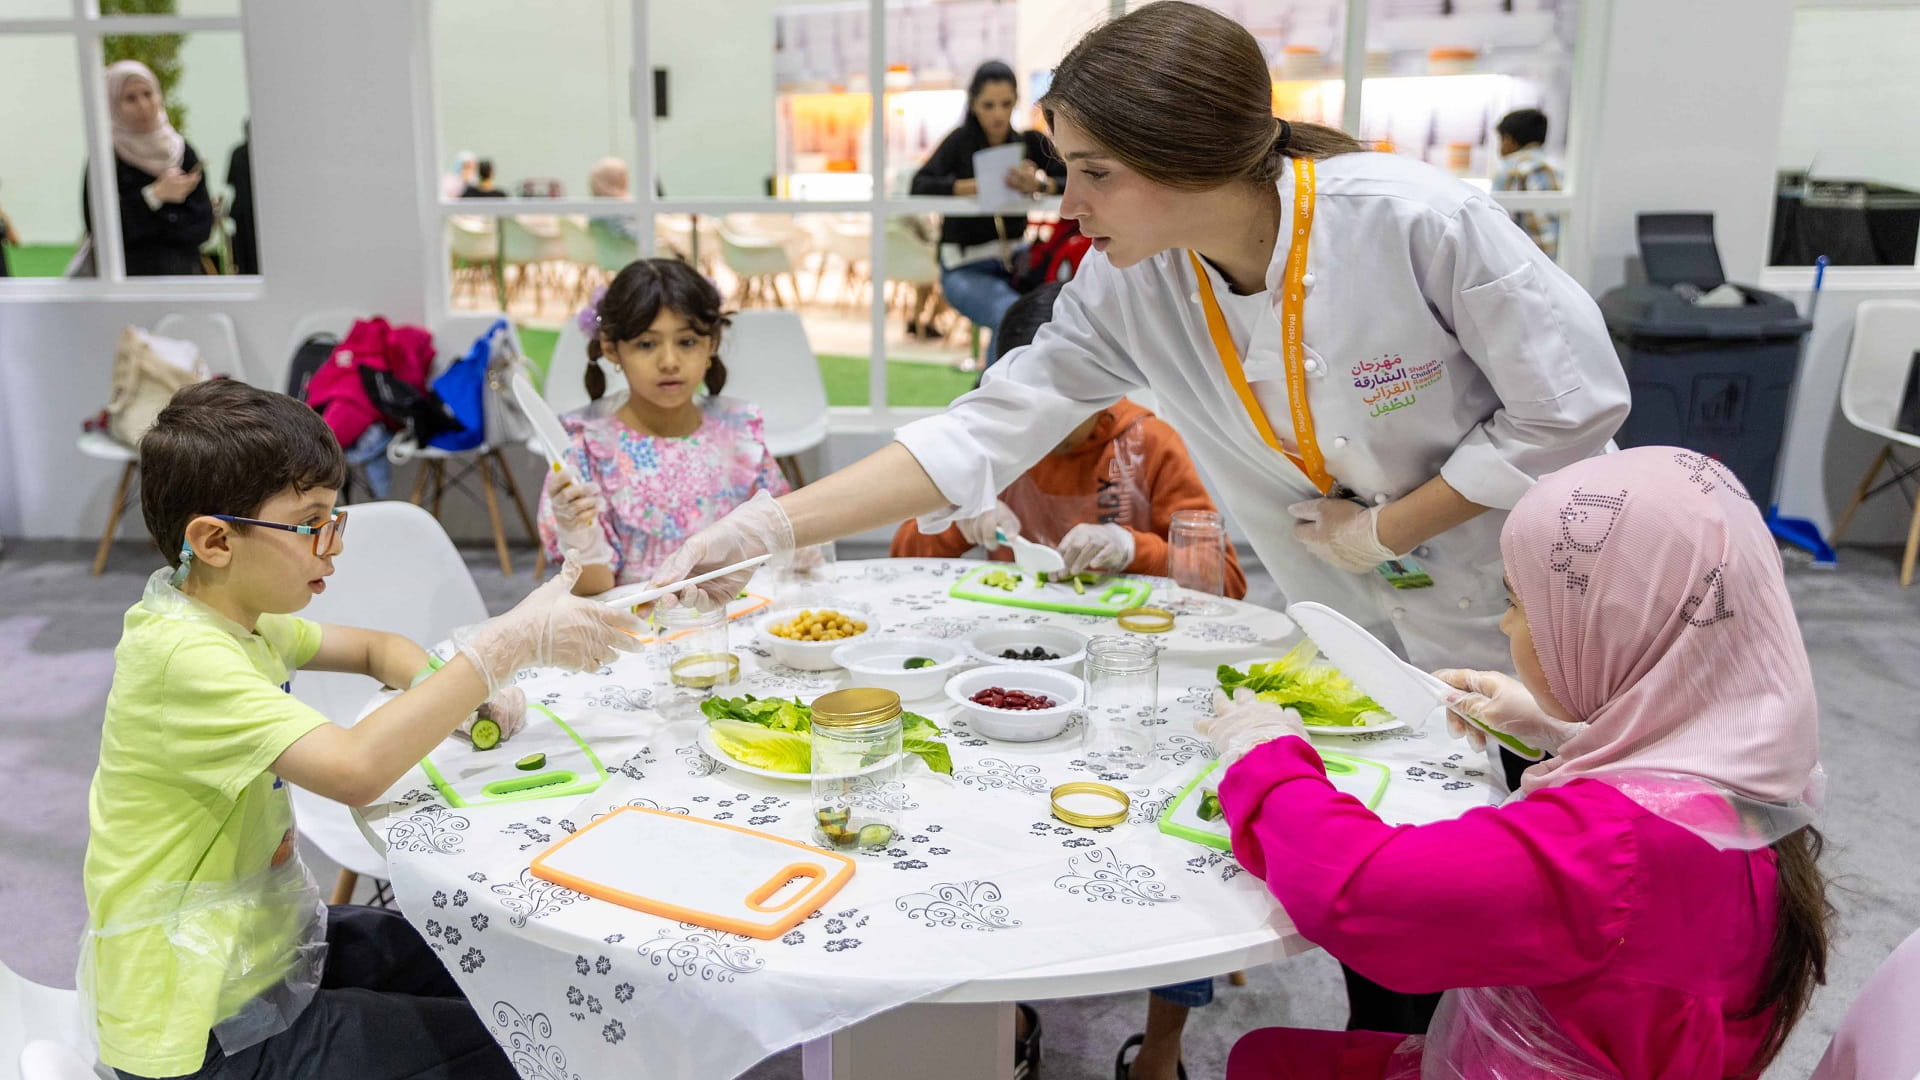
1649, 905
165, 212
976, 253
646, 472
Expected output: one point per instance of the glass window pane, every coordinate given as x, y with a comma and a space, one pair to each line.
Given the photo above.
202, 8
716, 139
1849, 181
537, 97
200, 225
36, 9
45, 133
934, 349
1304, 42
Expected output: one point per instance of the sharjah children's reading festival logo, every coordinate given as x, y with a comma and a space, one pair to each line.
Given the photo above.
1389, 383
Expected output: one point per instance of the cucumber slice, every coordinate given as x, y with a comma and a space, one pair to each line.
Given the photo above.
918, 662
1209, 808
485, 733
531, 762
875, 836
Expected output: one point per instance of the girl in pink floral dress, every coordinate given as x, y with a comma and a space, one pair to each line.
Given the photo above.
649, 471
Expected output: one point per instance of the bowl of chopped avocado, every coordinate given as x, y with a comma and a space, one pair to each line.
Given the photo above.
913, 667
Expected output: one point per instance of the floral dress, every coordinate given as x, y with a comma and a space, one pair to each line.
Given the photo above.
660, 491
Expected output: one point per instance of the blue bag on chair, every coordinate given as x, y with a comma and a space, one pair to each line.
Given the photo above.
463, 387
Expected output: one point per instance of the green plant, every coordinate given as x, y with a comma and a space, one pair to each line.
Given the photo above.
161, 52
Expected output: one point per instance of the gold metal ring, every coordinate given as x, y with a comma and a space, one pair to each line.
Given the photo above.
1146, 620
1090, 821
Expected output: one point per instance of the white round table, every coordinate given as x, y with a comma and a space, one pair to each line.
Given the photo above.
983, 898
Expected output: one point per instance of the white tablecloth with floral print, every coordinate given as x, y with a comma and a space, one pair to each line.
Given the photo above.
982, 881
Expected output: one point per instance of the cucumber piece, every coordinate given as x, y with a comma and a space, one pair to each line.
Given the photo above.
531, 762
485, 733
1209, 808
918, 662
835, 816
876, 836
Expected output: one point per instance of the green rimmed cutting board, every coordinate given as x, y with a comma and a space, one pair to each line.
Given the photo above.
1110, 596
1362, 778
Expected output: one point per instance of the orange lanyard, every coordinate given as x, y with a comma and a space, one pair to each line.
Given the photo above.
1293, 297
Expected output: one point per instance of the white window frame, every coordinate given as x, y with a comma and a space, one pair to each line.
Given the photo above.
89, 28
643, 205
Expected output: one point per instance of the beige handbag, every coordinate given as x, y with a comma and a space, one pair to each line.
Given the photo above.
146, 372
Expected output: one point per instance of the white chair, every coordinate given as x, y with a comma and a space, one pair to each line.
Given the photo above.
452, 340
576, 239
1878, 1039
400, 573
474, 247
527, 245
1886, 333
771, 363
41, 1037
758, 248
691, 238
212, 333
99, 445
848, 238
913, 270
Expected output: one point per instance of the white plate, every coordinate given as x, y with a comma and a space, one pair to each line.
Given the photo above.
711, 748
1359, 729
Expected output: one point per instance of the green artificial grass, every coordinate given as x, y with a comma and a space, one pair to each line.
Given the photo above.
40, 260
909, 384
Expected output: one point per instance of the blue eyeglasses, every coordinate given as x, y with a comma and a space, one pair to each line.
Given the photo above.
328, 537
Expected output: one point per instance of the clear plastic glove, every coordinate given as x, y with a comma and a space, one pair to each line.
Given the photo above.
1504, 704
1343, 534
755, 527
1091, 546
507, 708
979, 531
1242, 722
577, 507
550, 628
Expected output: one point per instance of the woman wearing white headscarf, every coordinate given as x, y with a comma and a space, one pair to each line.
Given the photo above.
608, 180
165, 213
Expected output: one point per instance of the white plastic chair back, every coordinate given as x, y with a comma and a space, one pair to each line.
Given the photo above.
576, 241
850, 240
400, 573
1879, 1038
1886, 334
566, 387
770, 363
519, 244
44, 1059
750, 254
910, 258
212, 333
472, 239
32, 1015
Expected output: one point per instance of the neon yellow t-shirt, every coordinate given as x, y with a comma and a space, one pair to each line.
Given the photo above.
191, 913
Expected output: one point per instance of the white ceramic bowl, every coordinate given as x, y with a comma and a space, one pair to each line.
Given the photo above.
810, 655
881, 662
987, 645
1017, 725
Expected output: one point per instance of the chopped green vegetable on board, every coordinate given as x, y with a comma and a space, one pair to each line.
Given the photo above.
1209, 808
774, 733
1000, 579
1310, 686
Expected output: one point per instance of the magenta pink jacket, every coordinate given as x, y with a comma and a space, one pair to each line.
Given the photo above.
1642, 942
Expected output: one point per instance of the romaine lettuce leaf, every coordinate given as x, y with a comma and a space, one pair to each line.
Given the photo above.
1303, 682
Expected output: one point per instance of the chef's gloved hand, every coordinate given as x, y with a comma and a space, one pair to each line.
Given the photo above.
577, 507
979, 530
507, 708
1242, 722
755, 527
550, 628
1341, 533
1091, 546
1504, 704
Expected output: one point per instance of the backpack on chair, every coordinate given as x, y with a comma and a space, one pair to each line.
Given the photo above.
147, 370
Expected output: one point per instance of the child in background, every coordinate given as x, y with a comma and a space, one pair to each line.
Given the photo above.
655, 468
1104, 497
1653, 889
208, 952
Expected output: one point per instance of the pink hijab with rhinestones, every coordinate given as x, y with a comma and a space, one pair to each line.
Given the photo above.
1660, 614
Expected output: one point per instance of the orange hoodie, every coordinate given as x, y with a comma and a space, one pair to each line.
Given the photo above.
1132, 471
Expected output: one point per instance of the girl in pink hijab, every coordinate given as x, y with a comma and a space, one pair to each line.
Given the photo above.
1653, 888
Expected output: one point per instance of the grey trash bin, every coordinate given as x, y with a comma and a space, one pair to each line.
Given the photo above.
1714, 379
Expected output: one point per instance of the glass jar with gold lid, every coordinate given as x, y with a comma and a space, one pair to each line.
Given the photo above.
858, 792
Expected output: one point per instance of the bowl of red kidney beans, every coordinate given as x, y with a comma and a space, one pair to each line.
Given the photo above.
1016, 703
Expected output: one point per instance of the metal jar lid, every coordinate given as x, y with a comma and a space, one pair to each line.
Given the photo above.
856, 708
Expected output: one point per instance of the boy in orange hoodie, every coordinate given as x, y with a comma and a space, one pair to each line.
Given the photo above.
1104, 497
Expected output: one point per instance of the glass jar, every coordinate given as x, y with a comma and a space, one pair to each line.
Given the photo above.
1123, 693
1197, 561
696, 647
857, 757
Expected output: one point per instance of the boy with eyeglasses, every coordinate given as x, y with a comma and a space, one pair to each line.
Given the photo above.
208, 951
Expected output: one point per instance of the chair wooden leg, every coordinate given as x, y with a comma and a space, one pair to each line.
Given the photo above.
1913, 547
513, 492
113, 517
1237, 978
439, 484
419, 485
493, 515
539, 559
1860, 493
790, 468
343, 887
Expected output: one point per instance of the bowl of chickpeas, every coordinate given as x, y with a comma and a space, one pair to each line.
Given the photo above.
805, 638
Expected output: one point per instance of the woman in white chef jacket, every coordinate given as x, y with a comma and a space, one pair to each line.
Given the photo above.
1445, 363
1368, 358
